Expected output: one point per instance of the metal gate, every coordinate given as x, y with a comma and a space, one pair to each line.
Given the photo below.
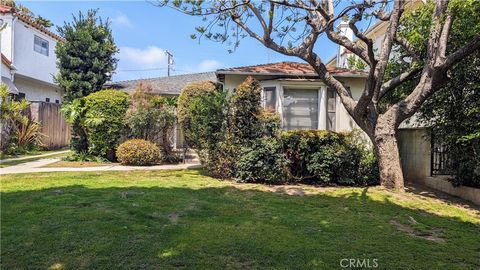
440, 163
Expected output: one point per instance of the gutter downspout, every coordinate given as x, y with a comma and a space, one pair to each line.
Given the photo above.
13, 45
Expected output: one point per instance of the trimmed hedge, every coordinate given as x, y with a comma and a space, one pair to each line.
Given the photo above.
138, 152
191, 92
104, 120
264, 162
312, 156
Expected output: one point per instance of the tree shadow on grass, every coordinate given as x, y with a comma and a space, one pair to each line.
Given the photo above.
75, 227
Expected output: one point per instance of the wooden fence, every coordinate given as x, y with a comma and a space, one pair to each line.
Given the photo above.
55, 129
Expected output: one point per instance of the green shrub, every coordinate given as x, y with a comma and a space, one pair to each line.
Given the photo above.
138, 152
104, 121
325, 157
264, 163
152, 118
184, 113
206, 120
270, 124
245, 109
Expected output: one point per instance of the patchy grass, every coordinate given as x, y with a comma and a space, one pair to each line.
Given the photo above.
76, 164
181, 219
4, 164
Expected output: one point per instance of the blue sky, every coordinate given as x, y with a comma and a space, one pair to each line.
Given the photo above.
143, 31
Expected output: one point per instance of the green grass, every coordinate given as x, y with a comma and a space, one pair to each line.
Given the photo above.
4, 164
181, 219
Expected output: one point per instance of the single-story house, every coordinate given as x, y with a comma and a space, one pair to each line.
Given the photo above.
297, 94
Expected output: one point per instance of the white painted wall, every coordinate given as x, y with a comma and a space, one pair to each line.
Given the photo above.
6, 71
6, 40
36, 90
28, 62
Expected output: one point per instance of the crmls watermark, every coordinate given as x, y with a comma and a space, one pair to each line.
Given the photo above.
358, 263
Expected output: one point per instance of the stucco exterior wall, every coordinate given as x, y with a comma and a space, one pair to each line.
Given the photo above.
37, 91
6, 41
28, 62
415, 148
5, 71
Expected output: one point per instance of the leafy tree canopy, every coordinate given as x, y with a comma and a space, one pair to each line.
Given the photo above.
86, 59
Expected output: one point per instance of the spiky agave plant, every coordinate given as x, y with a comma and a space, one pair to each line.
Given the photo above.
28, 135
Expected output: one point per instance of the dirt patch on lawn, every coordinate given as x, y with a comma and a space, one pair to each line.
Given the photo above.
173, 217
431, 234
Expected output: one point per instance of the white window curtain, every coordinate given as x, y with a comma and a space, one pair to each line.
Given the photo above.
270, 97
300, 109
331, 109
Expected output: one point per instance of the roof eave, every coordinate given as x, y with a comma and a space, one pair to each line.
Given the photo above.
343, 74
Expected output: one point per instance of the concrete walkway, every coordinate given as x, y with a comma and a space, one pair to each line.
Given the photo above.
36, 166
34, 156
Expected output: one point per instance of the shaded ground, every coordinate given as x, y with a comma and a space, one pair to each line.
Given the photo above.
181, 219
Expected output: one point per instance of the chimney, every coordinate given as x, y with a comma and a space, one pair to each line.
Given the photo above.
342, 54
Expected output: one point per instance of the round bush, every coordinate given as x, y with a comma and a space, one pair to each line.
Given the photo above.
138, 152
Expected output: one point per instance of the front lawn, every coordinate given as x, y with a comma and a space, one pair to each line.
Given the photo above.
181, 219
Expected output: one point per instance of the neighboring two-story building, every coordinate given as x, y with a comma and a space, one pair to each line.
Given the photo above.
28, 58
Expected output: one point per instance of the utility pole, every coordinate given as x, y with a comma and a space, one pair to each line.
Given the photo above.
169, 61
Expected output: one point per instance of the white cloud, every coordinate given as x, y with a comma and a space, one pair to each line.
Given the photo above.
149, 57
208, 65
122, 21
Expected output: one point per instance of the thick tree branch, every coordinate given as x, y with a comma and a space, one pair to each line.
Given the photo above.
395, 82
463, 52
374, 82
412, 52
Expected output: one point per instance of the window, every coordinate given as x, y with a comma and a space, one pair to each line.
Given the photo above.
47, 99
40, 45
57, 101
270, 97
300, 109
331, 109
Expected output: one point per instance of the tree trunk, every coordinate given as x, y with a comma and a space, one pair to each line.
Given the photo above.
386, 147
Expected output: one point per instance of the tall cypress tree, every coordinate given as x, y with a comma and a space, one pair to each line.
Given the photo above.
86, 57
85, 61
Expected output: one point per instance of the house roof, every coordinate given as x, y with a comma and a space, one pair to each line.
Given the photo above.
29, 21
286, 68
6, 61
172, 85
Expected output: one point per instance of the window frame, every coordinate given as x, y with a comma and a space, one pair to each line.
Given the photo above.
301, 87
264, 99
41, 50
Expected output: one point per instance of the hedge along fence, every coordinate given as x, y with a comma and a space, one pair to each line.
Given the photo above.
104, 120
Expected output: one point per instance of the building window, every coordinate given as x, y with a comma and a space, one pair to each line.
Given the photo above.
331, 109
300, 109
40, 45
57, 101
47, 99
270, 97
